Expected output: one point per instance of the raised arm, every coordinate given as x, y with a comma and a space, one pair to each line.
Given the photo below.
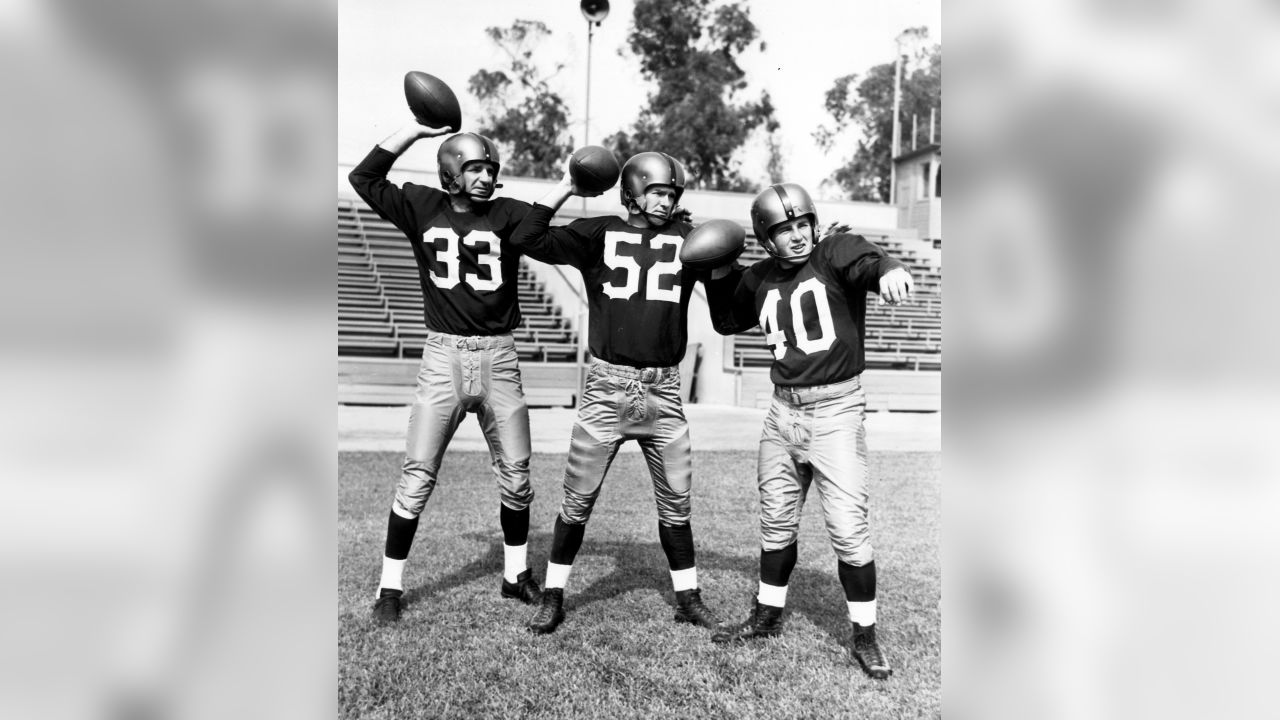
369, 178
572, 244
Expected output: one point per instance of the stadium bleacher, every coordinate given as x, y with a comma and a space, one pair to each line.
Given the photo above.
380, 297
380, 304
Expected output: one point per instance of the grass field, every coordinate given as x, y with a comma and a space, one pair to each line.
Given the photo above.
461, 651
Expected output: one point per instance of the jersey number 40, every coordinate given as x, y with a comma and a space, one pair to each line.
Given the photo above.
450, 272
773, 333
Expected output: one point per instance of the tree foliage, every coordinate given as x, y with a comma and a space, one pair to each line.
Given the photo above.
689, 51
866, 103
522, 113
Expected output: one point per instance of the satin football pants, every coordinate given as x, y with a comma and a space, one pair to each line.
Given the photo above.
816, 436
460, 375
623, 403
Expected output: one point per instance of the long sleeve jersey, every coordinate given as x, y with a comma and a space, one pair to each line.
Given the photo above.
466, 264
637, 289
813, 315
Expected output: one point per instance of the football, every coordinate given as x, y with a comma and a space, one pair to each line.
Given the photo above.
594, 169
431, 101
712, 244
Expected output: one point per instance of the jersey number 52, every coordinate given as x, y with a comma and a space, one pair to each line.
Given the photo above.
630, 281
777, 339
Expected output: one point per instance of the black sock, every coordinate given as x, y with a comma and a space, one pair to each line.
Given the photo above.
515, 525
400, 533
776, 565
677, 543
566, 541
859, 582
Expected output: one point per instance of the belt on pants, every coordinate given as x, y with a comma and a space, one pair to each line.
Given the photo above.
473, 342
645, 375
802, 395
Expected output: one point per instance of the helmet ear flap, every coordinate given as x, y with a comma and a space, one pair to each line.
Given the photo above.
449, 182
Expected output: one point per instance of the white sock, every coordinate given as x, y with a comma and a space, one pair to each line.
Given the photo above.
515, 560
863, 613
685, 579
557, 575
392, 574
772, 595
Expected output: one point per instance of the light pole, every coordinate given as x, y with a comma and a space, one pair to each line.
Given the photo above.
595, 11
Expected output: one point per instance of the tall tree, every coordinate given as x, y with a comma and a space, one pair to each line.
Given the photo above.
689, 51
528, 120
866, 103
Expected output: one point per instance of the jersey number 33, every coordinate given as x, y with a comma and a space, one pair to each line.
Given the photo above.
450, 272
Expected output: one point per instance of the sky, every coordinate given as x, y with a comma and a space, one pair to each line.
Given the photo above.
808, 44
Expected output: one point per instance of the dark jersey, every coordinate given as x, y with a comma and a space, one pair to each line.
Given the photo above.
813, 315
637, 289
465, 263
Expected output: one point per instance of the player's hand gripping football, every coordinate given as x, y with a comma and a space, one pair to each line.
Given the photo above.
895, 287
422, 131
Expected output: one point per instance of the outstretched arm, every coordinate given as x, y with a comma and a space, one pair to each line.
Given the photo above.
868, 266
731, 300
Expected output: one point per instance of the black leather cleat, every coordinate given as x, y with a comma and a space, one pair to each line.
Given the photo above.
691, 609
867, 652
525, 589
387, 607
550, 613
764, 621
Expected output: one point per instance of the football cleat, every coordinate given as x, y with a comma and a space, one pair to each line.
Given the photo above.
867, 652
550, 613
525, 589
691, 609
764, 621
387, 607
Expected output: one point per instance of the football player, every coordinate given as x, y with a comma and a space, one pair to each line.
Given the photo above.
468, 272
638, 293
809, 298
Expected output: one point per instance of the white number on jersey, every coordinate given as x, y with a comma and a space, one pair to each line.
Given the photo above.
630, 282
450, 272
773, 334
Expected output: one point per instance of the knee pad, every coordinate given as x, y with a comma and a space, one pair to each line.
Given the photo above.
517, 498
774, 538
675, 510
576, 508
854, 551
417, 481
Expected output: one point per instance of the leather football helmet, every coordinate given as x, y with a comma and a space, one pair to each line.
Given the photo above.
647, 169
778, 204
461, 149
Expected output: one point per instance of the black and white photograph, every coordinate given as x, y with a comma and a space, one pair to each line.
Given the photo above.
584, 359
693, 225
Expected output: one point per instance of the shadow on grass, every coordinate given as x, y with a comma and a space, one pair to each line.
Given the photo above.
641, 566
